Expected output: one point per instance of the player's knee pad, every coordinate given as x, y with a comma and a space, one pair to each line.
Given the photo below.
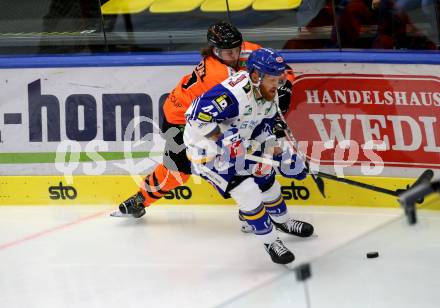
272, 192
247, 195
249, 200
266, 182
273, 200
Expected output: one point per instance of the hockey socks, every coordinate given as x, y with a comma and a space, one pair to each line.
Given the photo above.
161, 181
277, 210
261, 224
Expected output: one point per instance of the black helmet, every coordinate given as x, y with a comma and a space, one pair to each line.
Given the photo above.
223, 35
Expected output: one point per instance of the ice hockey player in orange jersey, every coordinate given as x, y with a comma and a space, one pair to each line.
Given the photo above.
225, 54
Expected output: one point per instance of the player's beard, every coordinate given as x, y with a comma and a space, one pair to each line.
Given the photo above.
231, 63
268, 94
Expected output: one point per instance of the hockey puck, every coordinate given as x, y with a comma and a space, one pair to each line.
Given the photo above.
372, 254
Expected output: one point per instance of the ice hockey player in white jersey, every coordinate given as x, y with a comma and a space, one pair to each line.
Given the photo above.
237, 117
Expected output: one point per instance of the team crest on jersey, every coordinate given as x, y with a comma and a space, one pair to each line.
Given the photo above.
279, 59
222, 102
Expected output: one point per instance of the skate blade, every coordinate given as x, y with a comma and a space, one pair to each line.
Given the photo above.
290, 266
118, 213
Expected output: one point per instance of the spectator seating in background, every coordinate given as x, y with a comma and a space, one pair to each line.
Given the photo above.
125, 6
273, 5
174, 6
220, 5
182, 6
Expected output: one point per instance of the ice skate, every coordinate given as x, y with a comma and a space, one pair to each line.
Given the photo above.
133, 206
279, 253
295, 227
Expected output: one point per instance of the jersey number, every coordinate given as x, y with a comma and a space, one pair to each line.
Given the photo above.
191, 81
208, 109
200, 71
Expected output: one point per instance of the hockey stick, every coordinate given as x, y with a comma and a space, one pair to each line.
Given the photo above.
413, 195
426, 176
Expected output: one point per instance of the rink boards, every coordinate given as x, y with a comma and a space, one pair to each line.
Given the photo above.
112, 189
85, 115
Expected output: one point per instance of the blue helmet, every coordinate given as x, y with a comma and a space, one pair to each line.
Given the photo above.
266, 61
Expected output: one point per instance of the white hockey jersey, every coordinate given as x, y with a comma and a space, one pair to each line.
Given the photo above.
231, 103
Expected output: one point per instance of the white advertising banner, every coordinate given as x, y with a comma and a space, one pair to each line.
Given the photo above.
46, 113
81, 119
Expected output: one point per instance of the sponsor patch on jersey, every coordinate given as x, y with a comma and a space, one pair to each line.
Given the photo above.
232, 83
202, 125
247, 88
204, 117
222, 102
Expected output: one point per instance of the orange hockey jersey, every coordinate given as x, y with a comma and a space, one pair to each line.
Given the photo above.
209, 72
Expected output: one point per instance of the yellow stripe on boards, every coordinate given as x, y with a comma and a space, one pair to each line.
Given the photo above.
125, 6
112, 189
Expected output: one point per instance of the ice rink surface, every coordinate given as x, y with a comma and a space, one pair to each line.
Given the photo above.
184, 256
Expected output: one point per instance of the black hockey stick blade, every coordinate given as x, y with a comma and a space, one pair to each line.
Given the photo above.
414, 194
425, 177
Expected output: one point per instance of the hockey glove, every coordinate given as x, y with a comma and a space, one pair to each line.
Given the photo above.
279, 127
291, 166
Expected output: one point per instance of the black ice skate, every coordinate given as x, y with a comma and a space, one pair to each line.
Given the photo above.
279, 253
295, 227
132, 206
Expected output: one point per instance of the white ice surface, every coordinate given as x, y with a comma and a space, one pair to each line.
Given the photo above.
182, 256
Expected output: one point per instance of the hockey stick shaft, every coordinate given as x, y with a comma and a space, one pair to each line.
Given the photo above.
275, 163
294, 144
358, 184
427, 175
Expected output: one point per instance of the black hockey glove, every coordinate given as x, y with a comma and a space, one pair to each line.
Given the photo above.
279, 128
284, 96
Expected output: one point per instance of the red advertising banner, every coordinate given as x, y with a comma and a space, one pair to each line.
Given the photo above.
367, 119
